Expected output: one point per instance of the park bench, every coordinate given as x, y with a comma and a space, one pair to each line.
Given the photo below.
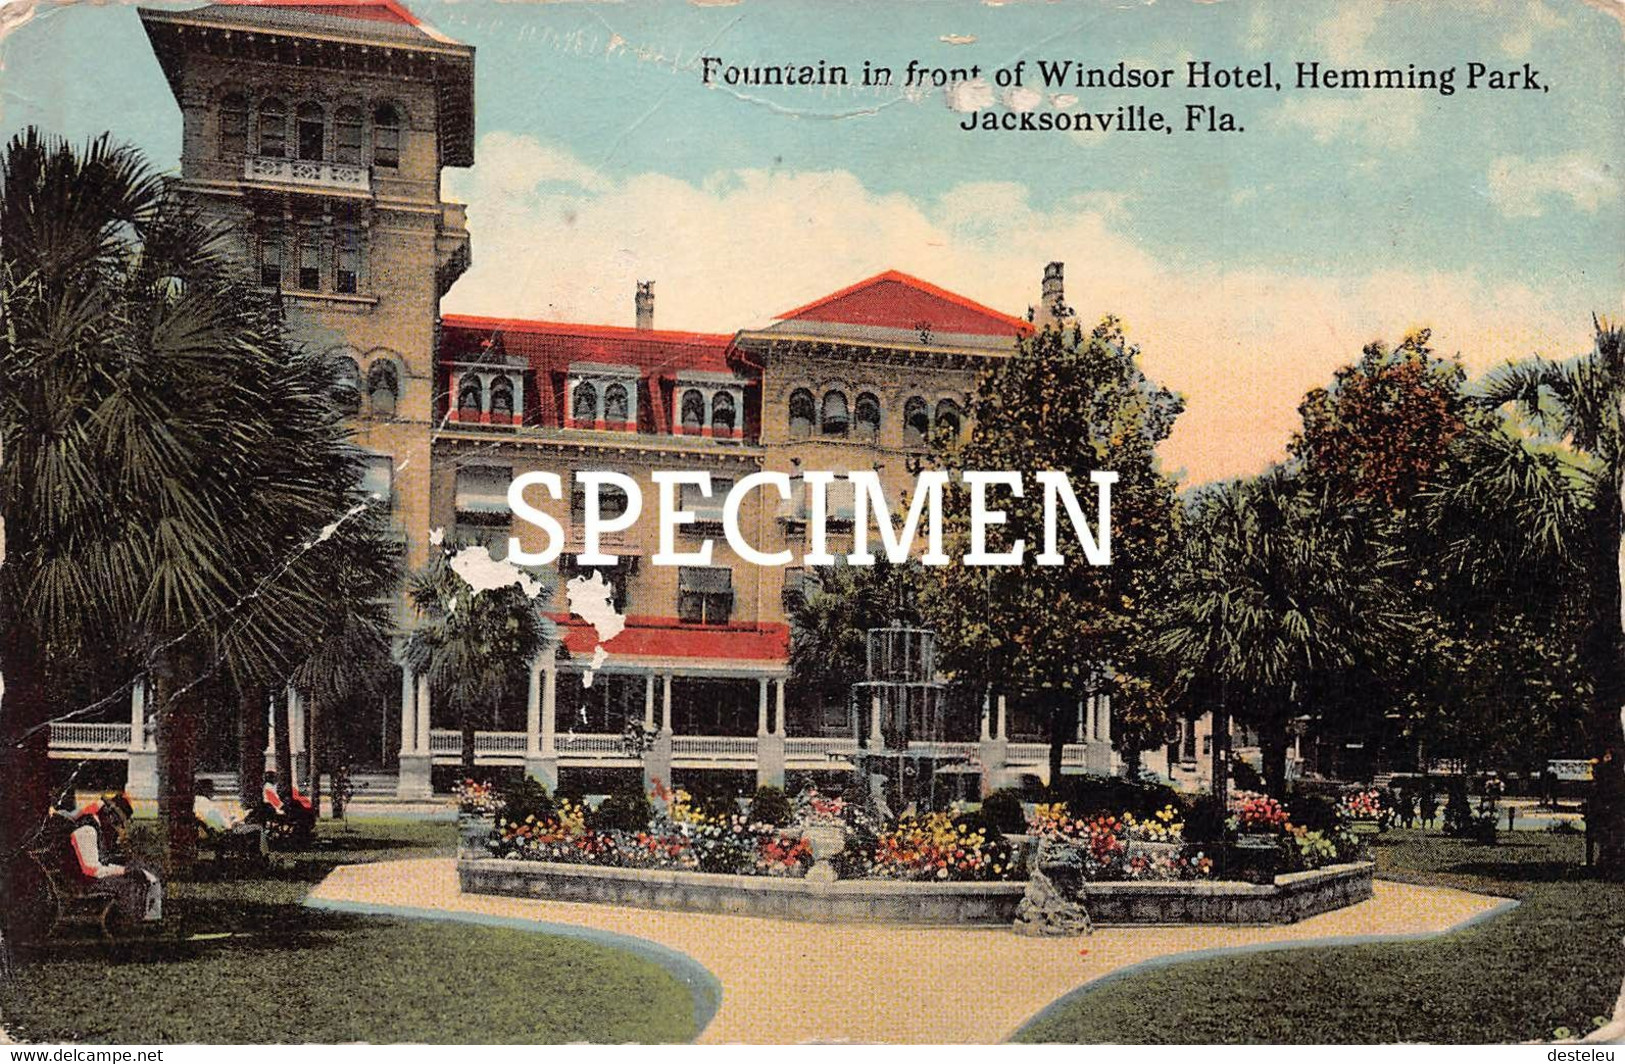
73, 900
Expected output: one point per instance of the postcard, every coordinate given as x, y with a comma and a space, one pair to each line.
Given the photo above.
771, 522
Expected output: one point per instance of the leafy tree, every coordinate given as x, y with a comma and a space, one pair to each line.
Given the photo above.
1538, 511
166, 457
1382, 429
830, 621
474, 646
1267, 607
1076, 403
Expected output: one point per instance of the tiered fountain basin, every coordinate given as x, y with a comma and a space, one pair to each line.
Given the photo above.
1288, 899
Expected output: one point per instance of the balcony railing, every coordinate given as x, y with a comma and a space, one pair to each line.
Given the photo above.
76, 739
341, 176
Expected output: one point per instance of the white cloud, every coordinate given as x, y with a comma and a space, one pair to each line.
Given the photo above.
1520, 187
742, 246
1522, 28
1342, 38
1376, 121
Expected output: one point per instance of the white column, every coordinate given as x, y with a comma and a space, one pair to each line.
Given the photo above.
296, 722
665, 703
761, 706
550, 682
778, 707
987, 716
409, 723
1004, 720
533, 708
1089, 708
874, 722
138, 714
1083, 714
649, 702
1105, 704
423, 715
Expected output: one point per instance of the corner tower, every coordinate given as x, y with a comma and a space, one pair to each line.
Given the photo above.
317, 130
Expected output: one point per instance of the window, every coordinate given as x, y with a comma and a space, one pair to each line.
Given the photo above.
273, 129
1188, 747
722, 413
378, 476
704, 595
470, 395
482, 507
386, 136
502, 400
616, 405
948, 418
916, 422
271, 257
310, 262
233, 126
346, 384
801, 414
706, 510
383, 388
612, 502
312, 131
584, 403
867, 416
347, 262
693, 411
835, 417
347, 136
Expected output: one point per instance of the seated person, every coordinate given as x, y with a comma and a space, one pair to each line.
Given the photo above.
98, 832
294, 816
222, 826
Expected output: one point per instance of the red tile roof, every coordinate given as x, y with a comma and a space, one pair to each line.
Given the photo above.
367, 10
667, 637
549, 348
895, 300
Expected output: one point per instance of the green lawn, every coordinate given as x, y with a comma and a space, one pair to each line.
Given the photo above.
244, 961
1552, 962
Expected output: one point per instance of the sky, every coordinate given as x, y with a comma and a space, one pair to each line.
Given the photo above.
1247, 266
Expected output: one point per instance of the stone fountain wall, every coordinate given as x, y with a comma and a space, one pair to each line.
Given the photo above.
1289, 899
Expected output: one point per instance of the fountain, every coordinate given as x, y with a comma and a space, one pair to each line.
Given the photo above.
898, 715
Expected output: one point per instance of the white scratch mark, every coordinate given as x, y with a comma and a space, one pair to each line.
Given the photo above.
485, 573
592, 599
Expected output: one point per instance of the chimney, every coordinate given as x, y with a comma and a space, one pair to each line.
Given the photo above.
646, 304
1052, 308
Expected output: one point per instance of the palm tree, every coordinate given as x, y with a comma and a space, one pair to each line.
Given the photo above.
1547, 496
474, 646
166, 458
1264, 607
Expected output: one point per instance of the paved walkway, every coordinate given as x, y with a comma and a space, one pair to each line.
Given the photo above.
786, 982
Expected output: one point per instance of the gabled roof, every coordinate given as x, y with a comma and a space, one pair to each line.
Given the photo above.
896, 301
375, 20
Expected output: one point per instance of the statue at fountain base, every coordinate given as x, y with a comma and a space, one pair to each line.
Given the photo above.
1045, 912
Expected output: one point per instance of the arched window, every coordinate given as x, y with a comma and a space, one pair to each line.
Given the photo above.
616, 404
835, 418
502, 398
470, 394
866, 416
347, 136
802, 414
233, 126
386, 136
948, 418
722, 412
383, 388
584, 403
693, 410
273, 128
312, 130
916, 422
346, 383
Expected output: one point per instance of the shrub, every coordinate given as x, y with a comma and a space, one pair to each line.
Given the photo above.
1458, 812
770, 806
528, 797
1316, 812
1003, 810
1112, 795
1246, 777
1205, 823
622, 811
